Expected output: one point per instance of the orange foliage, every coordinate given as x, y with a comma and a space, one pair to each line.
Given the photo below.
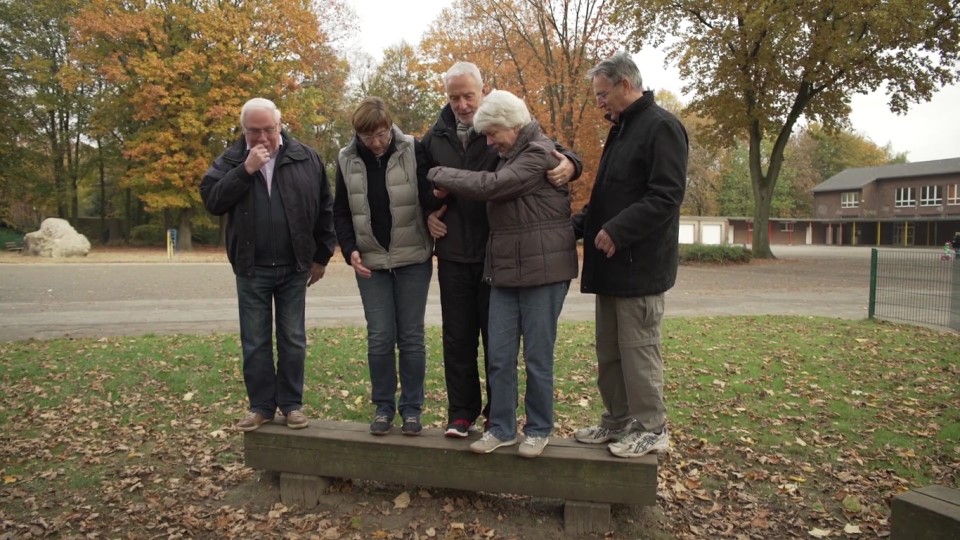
180, 70
540, 50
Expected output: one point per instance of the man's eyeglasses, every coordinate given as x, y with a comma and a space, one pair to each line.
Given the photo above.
256, 132
382, 136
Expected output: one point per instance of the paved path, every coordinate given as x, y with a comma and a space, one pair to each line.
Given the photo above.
51, 300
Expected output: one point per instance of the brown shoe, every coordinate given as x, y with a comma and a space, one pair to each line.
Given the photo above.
251, 421
296, 419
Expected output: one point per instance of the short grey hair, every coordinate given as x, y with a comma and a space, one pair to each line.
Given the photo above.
463, 68
503, 109
259, 103
617, 68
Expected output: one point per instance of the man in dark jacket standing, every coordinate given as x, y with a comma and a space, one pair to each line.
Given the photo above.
630, 229
280, 237
460, 228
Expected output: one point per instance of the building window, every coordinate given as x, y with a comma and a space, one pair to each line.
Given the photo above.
953, 194
930, 196
849, 199
904, 198
786, 226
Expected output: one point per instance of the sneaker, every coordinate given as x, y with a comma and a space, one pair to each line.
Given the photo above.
459, 428
411, 426
488, 443
381, 424
251, 421
641, 443
532, 447
599, 434
296, 419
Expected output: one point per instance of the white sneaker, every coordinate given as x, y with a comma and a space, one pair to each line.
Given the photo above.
641, 443
532, 447
599, 434
488, 443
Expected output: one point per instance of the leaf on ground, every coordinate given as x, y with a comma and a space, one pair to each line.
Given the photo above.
819, 533
850, 528
401, 501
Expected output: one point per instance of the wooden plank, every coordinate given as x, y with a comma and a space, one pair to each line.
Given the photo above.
943, 493
581, 517
347, 450
915, 515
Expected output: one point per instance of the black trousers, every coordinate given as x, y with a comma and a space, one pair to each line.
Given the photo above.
465, 305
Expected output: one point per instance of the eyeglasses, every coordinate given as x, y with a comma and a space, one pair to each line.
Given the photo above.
382, 136
256, 132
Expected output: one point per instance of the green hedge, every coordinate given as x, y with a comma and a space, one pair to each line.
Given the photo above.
697, 253
151, 234
9, 235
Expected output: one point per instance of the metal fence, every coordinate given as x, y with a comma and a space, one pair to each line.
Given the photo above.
919, 287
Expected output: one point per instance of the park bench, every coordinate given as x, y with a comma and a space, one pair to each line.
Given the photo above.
587, 477
13, 246
928, 513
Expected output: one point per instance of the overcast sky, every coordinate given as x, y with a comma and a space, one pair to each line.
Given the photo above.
928, 131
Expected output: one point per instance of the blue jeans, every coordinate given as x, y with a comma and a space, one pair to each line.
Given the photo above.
394, 304
531, 312
270, 387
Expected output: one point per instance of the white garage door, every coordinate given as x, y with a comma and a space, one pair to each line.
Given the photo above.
687, 233
712, 234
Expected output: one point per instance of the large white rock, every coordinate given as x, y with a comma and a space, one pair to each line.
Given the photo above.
56, 238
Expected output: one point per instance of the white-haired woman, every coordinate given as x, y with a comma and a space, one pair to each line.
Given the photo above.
531, 258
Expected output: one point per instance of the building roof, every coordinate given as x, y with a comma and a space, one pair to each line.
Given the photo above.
857, 178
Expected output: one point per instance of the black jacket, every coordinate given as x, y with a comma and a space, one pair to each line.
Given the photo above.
466, 220
636, 199
301, 179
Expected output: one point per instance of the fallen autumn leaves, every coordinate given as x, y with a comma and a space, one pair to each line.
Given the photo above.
781, 427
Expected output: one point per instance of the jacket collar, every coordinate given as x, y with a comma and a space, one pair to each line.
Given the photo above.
527, 133
634, 109
446, 121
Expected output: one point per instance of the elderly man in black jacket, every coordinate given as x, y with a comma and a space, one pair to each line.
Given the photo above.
460, 228
630, 230
280, 237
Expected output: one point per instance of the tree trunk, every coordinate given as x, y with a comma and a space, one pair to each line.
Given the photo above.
762, 196
104, 233
185, 232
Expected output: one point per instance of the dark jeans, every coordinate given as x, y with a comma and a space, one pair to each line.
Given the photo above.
270, 387
394, 304
464, 304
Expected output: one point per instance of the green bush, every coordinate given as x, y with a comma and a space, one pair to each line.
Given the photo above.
150, 234
10, 235
698, 253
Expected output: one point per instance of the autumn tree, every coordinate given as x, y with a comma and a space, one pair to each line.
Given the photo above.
815, 154
181, 69
45, 117
408, 86
540, 50
755, 68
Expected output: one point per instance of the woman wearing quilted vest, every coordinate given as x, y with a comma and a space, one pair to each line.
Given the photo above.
379, 216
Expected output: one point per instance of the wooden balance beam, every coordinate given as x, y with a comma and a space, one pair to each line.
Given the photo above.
587, 477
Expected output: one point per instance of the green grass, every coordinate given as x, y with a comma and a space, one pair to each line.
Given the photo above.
114, 423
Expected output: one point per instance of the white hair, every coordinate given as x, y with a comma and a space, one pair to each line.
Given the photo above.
463, 68
503, 109
262, 104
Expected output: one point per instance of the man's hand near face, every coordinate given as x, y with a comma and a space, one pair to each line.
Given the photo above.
258, 157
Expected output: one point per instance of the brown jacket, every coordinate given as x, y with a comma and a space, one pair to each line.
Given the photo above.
531, 238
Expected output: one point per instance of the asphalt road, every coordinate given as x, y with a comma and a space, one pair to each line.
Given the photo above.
54, 299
